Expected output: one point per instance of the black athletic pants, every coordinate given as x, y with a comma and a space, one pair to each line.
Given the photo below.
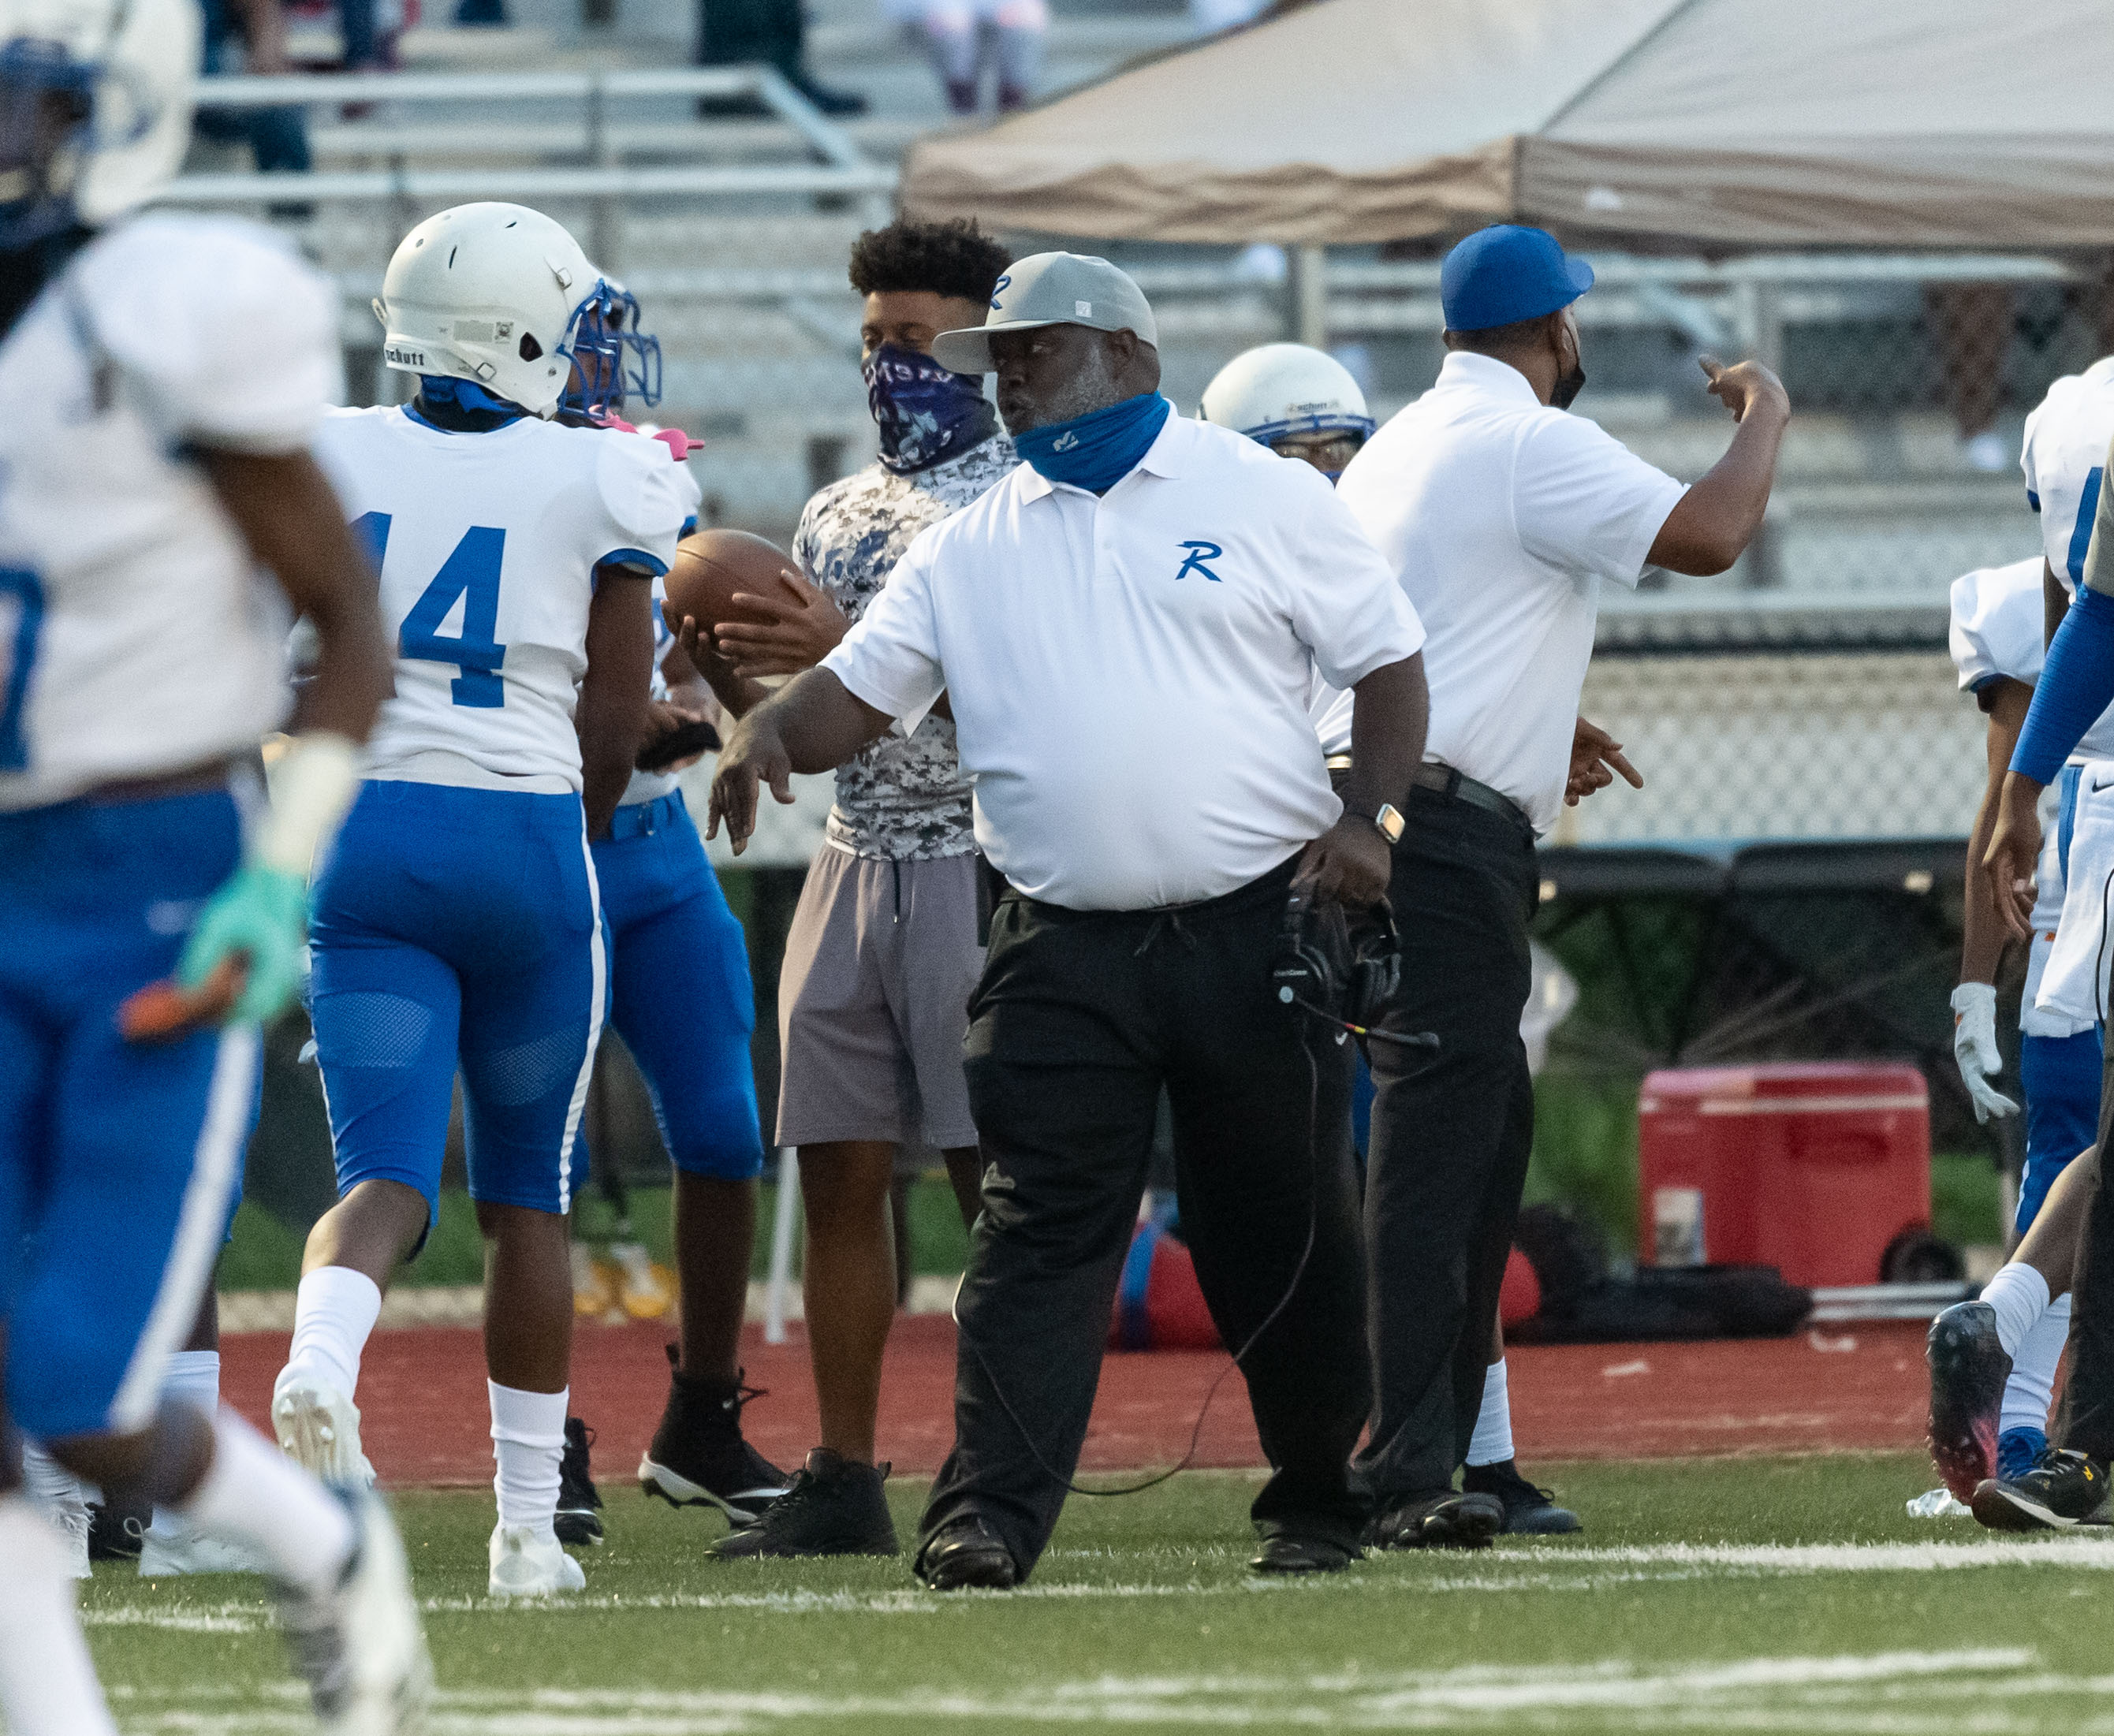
2088, 1403
1080, 1019
1451, 1136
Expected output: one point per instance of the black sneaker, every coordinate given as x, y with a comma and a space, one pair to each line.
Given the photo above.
117, 1530
965, 1555
577, 1522
834, 1507
1530, 1512
698, 1457
1442, 1519
1968, 1369
2065, 1488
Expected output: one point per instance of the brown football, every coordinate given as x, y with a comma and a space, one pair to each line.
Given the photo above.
712, 565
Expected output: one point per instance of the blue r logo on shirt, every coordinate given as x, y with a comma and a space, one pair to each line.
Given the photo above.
1199, 553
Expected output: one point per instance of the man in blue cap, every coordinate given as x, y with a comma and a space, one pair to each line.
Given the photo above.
1501, 516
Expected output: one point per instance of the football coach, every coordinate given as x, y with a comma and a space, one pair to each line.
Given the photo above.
1502, 517
1125, 628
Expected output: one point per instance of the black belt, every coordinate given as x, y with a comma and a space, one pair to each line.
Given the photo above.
1448, 782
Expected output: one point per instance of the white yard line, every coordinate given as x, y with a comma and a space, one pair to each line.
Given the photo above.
1543, 1567
1988, 1692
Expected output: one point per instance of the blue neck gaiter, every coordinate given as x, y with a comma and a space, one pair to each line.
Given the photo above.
1097, 450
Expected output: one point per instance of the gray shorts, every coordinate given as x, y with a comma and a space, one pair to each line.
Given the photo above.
873, 1002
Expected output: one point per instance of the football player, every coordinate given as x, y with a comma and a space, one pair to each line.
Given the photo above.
457, 923
163, 377
1993, 1361
683, 1003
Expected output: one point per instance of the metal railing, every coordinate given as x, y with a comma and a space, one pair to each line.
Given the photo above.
836, 165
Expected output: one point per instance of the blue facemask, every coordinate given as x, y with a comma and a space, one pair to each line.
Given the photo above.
925, 412
1097, 450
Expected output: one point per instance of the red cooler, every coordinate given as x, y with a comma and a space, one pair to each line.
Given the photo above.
1812, 1167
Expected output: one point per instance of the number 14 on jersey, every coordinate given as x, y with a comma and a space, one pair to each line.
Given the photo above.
472, 574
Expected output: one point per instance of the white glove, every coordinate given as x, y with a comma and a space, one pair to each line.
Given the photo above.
1974, 1048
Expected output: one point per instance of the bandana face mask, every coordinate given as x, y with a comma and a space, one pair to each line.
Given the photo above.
925, 412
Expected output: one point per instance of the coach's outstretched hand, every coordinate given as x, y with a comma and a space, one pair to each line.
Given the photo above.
754, 754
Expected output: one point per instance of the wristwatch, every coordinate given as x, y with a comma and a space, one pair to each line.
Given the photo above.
1388, 822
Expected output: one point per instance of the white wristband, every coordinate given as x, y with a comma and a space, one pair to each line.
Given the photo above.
313, 785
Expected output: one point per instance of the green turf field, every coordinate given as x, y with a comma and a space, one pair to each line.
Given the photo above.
1751, 1595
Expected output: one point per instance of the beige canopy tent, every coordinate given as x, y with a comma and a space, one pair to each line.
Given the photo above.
1721, 124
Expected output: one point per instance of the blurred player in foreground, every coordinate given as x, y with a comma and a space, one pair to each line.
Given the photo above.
457, 922
1304, 403
682, 1001
162, 380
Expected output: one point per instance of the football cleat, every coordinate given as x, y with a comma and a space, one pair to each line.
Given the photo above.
526, 1563
577, 1522
359, 1644
596, 1284
1529, 1512
2064, 1489
1441, 1520
698, 1457
1968, 1369
835, 1506
173, 1546
317, 1427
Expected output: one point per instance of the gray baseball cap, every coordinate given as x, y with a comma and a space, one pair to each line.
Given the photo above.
1051, 289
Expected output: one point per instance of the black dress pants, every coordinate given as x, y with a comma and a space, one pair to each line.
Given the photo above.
2088, 1403
1079, 1021
1451, 1136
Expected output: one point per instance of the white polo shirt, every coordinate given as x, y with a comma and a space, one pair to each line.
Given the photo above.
1129, 674
1501, 517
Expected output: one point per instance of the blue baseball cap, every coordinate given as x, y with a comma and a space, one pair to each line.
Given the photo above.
1508, 272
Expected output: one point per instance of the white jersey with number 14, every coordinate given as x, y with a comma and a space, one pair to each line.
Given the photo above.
488, 545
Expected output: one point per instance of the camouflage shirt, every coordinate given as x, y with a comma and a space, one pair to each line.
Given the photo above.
901, 798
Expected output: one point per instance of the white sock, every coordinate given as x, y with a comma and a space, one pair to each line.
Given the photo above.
62, 1499
2030, 1390
259, 1499
1492, 1441
193, 1378
2020, 1295
528, 1439
334, 1310
48, 1685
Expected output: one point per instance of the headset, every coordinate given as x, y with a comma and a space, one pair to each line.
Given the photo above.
1342, 971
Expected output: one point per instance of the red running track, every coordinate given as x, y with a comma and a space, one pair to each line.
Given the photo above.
1861, 1388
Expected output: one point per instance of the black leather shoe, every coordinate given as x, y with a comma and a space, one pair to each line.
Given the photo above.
1289, 1553
967, 1556
1530, 1512
1442, 1519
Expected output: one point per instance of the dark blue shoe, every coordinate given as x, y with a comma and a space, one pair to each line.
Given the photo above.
2018, 1451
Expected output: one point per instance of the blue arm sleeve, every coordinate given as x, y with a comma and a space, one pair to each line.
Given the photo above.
2076, 685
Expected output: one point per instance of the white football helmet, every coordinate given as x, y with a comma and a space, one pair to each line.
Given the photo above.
126, 69
1282, 389
496, 294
